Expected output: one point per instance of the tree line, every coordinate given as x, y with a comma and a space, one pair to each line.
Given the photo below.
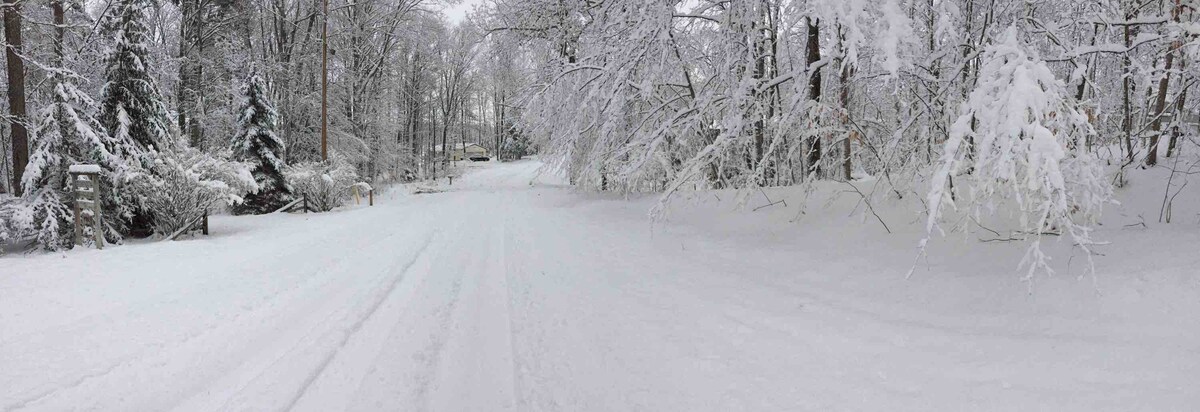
1035, 108
192, 106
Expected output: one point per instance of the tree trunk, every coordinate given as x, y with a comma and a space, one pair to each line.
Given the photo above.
774, 102
758, 51
414, 105
16, 92
936, 72
60, 30
848, 141
1180, 110
813, 55
844, 100
1126, 90
1160, 101
191, 70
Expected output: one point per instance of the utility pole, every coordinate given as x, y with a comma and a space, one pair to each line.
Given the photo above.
325, 81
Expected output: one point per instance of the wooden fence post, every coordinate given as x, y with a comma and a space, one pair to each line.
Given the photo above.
371, 197
85, 181
78, 216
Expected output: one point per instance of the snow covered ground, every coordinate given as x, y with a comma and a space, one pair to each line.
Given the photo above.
509, 291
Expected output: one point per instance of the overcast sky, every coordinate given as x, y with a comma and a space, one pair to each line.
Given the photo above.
459, 12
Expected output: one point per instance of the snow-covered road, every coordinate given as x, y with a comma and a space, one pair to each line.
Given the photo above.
502, 295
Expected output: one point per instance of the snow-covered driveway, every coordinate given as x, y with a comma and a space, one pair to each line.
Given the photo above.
502, 295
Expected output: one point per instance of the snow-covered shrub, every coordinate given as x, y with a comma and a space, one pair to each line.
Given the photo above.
184, 185
1018, 147
326, 185
44, 214
516, 145
5, 220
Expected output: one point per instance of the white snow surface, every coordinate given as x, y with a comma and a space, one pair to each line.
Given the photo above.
84, 169
510, 291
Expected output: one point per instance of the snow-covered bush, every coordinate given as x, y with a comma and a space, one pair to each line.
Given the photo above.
44, 214
326, 185
184, 185
1018, 147
5, 219
515, 146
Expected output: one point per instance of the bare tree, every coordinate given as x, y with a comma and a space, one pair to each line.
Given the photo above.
16, 92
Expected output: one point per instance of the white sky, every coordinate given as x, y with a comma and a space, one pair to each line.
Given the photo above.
459, 12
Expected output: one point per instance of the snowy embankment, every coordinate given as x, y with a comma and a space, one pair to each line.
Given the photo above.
501, 295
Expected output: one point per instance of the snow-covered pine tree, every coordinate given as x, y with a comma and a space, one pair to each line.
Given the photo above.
1018, 147
66, 134
257, 144
132, 108
516, 145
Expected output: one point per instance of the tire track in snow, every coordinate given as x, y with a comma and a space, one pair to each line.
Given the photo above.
533, 324
419, 363
434, 354
444, 296
478, 370
157, 349
354, 328
508, 313
272, 376
249, 263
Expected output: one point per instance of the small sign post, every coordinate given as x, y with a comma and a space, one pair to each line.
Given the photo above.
89, 224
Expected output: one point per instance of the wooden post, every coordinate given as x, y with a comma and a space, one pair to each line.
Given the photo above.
371, 197
305, 203
85, 181
204, 229
78, 220
98, 226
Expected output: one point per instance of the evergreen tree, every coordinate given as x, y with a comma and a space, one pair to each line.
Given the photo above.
516, 145
67, 134
132, 109
257, 144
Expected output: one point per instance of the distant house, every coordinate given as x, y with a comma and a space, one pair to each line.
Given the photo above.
460, 151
